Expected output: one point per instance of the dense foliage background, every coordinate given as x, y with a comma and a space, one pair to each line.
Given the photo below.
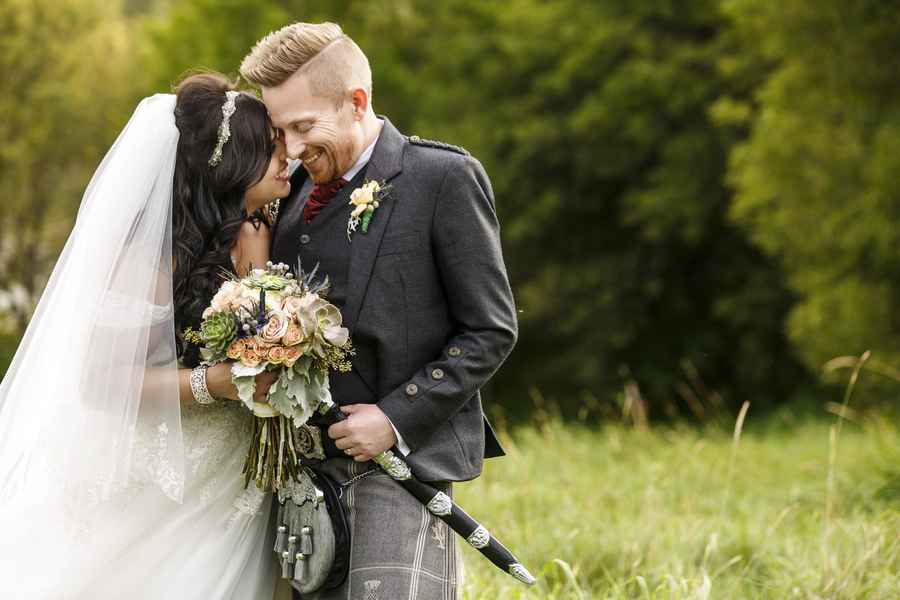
698, 198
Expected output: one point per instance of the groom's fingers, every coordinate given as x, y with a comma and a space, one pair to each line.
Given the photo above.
367, 432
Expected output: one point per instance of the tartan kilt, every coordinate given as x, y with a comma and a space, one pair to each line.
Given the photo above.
398, 549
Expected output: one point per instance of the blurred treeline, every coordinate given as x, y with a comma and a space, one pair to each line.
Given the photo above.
694, 195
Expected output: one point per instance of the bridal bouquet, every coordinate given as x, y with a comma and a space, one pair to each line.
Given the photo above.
271, 320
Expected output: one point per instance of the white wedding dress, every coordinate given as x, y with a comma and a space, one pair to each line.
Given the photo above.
109, 489
138, 542
216, 544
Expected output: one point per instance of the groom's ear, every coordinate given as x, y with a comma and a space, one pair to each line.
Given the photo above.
360, 101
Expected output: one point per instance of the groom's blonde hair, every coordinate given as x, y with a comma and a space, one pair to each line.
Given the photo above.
332, 61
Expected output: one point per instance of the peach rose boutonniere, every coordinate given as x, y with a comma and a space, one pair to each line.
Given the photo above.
366, 199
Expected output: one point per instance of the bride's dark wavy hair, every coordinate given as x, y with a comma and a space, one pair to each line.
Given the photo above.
209, 206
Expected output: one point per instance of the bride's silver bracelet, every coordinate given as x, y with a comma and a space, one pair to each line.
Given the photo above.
198, 386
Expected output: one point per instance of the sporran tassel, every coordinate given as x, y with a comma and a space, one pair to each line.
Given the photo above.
293, 545
287, 567
306, 540
300, 567
281, 539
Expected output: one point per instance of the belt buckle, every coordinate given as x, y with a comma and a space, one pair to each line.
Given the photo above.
308, 439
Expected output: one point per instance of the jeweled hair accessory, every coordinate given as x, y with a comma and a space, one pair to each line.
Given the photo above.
225, 128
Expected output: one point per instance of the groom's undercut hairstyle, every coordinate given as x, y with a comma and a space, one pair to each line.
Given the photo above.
332, 61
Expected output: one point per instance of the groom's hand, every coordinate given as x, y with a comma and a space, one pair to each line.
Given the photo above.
366, 432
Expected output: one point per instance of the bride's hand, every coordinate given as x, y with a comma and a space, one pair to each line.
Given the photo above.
218, 382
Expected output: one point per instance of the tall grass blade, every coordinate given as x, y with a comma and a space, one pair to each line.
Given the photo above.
645, 590
738, 426
570, 576
704, 590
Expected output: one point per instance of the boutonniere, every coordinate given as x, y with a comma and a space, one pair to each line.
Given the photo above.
366, 198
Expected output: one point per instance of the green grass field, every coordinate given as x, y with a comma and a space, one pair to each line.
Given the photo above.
784, 509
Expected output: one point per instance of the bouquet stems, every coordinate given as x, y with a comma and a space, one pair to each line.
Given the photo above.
271, 459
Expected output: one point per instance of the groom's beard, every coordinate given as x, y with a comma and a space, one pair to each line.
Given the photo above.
337, 158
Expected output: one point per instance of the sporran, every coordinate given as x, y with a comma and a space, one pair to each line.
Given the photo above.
313, 540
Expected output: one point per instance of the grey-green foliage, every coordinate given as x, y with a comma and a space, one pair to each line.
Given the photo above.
818, 182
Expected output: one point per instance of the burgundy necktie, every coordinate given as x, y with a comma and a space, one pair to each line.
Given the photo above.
319, 198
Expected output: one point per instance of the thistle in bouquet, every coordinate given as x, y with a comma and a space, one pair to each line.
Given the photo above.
275, 320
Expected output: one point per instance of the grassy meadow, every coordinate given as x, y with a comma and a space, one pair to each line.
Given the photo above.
775, 509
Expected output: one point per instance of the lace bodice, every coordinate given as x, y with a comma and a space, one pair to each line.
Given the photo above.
121, 311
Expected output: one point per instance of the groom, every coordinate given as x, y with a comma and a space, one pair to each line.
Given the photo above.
423, 291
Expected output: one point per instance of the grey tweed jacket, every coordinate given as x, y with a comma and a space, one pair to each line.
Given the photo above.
428, 292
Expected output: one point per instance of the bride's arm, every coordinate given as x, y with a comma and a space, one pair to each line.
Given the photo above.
252, 247
218, 382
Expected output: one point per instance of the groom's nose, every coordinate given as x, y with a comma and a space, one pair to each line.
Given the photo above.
294, 145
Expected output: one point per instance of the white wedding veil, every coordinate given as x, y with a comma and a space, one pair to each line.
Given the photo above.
90, 407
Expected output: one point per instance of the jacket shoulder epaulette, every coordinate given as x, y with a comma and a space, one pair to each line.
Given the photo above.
414, 139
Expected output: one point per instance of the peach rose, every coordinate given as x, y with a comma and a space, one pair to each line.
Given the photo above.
293, 336
276, 355
273, 331
234, 352
291, 355
250, 357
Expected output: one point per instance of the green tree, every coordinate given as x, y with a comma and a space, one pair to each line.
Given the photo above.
605, 128
65, 72
818, 182
210, 34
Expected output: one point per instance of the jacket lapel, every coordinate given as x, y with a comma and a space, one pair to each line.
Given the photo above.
386, 163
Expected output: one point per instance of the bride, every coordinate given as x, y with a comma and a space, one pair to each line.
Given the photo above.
120, 475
